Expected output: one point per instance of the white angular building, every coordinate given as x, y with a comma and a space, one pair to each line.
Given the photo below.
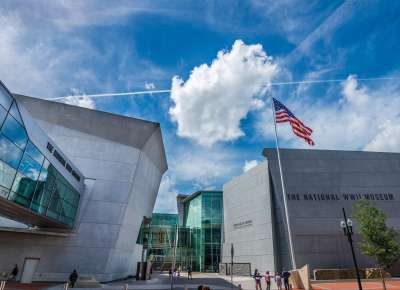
112, 164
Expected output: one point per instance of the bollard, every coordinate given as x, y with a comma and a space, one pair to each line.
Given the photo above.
126, 287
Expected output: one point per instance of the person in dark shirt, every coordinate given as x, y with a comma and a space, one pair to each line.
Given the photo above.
286, 276
73, 278
189, 270
14, 273
257, 277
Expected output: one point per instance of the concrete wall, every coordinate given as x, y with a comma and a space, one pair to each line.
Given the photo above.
121, 186
317, 236
248, 219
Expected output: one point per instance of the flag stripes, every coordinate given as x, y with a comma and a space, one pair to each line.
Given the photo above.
283, 114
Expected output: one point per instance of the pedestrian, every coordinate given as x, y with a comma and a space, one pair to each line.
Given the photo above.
73, 278
189, 270
286, 275
170, 273
179, 271
268, 280
14, 273
200, 287
278, 281
205, 287
257, 277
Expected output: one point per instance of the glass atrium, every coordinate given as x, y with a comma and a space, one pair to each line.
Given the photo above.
26, 177
199, 238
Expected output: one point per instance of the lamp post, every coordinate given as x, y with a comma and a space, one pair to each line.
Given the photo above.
347, 226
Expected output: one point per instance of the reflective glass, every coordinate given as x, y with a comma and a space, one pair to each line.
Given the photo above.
15, 132
3, 114
54, 208
7, 175
32, 150
9, 153
22, 190
45, 188
5, 98
29, 167
15, 112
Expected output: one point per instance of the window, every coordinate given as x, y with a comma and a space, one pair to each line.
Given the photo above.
34, 152
50, 147
15, 132
74, 174
3, 114
59, 157
7, 174
22, 190
9, 152
5, 98
29, 167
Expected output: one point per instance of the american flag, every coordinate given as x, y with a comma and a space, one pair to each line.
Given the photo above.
283, 114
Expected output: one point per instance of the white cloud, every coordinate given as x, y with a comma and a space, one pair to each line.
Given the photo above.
149, 86
202, 167
166, 199
249, 165
80, 101
362, 118
211, 103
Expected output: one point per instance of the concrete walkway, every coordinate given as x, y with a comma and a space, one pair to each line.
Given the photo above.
162, 281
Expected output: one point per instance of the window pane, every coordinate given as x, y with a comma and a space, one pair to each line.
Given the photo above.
44, 190
15, 132
9, 153
15, 112
29, 167
5, 98
3, 114
22, 189
34, 152
54, 208
7, 175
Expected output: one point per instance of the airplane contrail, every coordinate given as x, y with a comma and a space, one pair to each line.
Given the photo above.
270, 84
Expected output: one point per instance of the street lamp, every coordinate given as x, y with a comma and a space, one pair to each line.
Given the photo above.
347, 226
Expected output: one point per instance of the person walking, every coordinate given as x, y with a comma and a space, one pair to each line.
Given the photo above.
189, 270
268, 280
257, 277
14, 273
73, 278
286, 275
278, 281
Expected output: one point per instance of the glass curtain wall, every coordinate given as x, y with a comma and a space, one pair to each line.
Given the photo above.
203, 215
26, 176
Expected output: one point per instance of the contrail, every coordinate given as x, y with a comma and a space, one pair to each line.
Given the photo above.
114, 94
270, 84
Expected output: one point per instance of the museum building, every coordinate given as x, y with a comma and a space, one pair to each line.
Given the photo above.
319, 183
75, 184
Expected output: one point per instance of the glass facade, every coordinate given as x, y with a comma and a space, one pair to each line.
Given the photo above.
199, 243
26, 176
203, 215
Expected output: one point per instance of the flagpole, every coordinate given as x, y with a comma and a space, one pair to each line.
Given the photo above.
284, 192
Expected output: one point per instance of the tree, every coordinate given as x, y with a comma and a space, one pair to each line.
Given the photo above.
379, 240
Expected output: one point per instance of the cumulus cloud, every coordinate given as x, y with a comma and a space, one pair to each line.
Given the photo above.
166, 199
209, 106
202, 167
362, 118
249, 165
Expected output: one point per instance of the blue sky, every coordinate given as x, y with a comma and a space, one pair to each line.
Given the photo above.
219, 58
